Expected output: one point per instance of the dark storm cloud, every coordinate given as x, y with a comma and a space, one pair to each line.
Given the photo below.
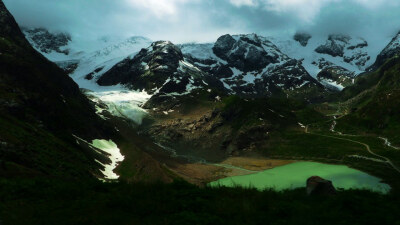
205, 20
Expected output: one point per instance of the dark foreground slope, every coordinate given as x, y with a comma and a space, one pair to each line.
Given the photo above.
40, 109
43, 114
62, 203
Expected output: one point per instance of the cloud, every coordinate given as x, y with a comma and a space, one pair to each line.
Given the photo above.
157, 7
377, 3
306, 10
239, 3
206, 20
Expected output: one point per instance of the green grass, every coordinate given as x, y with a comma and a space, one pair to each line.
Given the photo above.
374, 103
299, 144
282, 113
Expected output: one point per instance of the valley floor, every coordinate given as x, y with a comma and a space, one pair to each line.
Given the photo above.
311, 143
203, 173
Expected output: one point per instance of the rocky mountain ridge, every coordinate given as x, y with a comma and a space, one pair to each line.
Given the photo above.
252, 65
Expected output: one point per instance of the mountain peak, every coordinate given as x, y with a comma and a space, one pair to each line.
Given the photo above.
244, 52
159, 60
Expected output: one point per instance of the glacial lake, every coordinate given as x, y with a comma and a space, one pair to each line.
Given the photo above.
294, 175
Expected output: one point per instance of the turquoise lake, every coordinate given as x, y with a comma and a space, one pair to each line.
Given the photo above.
294, 175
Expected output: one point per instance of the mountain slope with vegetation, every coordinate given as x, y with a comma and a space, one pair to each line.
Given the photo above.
374, 104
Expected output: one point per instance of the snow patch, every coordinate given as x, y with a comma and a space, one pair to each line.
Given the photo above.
328, 82
387, 143
115, 156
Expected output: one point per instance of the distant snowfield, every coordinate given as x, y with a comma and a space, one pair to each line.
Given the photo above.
115, 156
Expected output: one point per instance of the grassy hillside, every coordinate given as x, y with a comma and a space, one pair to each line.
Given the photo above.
375, 103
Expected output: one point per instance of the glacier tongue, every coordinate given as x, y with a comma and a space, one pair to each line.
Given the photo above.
117, 100
121, 103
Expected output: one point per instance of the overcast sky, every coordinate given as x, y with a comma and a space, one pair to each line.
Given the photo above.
206, 20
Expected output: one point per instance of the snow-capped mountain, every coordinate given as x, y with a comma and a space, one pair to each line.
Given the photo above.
250, 65
93, 64
247, 65
160, 68
82, 57
85, 60
341, 56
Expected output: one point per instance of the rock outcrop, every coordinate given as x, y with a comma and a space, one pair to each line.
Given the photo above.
350, 49
334, 46
244, 52
48, 42
333, 76
149, 69
302, 38
319, 186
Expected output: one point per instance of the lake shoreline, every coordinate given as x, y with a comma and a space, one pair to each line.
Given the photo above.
294, 175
